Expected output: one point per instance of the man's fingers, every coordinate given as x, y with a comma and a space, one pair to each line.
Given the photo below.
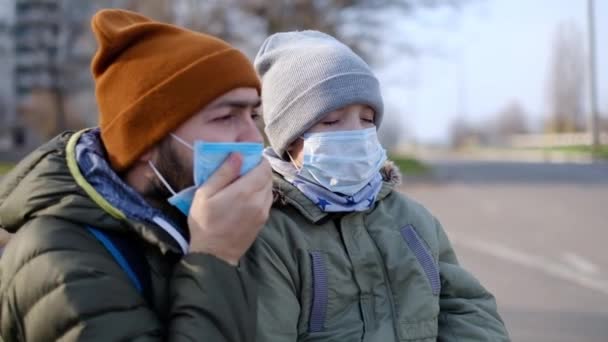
226, 174
257, 179
251, 186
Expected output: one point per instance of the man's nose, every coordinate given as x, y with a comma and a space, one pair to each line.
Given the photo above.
249, 131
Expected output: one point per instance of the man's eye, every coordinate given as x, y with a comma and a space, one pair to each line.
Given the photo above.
223, 118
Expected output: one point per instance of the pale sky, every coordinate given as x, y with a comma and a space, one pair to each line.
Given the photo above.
484, 56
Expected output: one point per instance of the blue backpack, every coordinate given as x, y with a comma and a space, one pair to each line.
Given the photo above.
129, 255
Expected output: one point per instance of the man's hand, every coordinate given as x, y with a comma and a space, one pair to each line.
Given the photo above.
228, 212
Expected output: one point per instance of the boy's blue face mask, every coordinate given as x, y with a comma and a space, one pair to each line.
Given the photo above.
342, 161
207, 158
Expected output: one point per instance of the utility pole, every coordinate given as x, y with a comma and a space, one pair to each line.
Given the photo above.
594, 119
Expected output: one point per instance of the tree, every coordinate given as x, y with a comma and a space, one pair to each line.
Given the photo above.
566, 80
162, 10
511, 120
54, 48
391, 132
604, 125
3, 114
462, 133
244, 23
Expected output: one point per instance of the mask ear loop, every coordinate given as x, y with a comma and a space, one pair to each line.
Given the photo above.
182, 141
162, 179
185, 143
293, 162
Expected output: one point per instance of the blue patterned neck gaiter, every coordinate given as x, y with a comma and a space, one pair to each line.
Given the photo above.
326, 200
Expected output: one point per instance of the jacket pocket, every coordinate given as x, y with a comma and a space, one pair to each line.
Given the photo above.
330, 301
423, 256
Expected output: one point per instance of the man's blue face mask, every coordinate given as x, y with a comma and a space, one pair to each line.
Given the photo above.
207, 158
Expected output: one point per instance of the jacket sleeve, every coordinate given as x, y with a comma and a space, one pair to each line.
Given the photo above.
468, 311
59, 284
278, 303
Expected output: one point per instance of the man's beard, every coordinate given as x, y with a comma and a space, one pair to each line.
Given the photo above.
176, 173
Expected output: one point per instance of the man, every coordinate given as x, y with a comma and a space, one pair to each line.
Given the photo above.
157, 86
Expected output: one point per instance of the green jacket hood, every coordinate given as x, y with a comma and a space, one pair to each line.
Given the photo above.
42, 185
48, 182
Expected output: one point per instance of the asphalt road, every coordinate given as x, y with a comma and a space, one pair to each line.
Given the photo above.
536, 235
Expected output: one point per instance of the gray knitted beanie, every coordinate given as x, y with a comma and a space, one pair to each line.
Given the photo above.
306, 75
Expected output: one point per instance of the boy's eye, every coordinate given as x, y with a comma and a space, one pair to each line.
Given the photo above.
329, 123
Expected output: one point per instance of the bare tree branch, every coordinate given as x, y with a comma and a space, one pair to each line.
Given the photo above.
566, 83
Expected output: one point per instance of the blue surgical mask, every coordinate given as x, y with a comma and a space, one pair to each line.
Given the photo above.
207, 158
182, 200
342, 161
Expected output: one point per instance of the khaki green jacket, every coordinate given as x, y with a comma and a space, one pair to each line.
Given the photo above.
58, 283
387, 274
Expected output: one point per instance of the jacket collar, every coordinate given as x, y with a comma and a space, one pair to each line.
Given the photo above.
89, 167
286, 194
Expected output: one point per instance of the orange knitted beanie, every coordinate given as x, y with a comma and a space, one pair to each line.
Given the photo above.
150, 77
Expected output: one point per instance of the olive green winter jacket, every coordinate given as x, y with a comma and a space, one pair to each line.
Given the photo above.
387, 274
59, 283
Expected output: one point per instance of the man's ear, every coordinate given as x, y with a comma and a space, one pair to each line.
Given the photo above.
139, 175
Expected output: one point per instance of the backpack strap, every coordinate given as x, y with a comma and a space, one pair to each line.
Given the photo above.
129, 255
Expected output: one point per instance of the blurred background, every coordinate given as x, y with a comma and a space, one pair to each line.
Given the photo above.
497, 114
